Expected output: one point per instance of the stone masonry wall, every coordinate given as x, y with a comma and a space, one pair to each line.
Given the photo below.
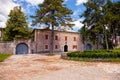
6, 47
10, 47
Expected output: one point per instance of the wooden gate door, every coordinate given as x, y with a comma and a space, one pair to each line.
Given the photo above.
22, 48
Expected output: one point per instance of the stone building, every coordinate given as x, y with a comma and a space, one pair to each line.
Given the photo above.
63, 41
40, 43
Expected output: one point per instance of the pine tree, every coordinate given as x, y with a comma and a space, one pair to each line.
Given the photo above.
16, 26
53, 13
102, 18
92, 19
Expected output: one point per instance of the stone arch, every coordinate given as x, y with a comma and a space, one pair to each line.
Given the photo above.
22, 48
88, 47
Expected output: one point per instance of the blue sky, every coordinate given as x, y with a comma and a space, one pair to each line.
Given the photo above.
29, 8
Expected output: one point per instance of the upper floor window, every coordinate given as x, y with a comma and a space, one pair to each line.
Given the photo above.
74, 39
65, 38
56, 37
46, 37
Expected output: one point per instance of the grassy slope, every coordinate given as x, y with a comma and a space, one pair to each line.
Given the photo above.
4, 56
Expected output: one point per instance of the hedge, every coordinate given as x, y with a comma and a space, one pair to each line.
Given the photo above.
96, 54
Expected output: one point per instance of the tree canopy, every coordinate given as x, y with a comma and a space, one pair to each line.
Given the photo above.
16, 26
102, 19
53, 13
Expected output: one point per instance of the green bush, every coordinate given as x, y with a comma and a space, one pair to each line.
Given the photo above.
96, 54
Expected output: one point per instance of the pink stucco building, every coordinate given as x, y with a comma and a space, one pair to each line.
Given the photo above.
63, 41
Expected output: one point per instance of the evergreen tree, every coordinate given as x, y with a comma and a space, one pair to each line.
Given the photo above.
92, 19
16, 26
114, 22
53, 13
102, 18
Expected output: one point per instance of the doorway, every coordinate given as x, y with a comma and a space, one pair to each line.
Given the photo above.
65, 48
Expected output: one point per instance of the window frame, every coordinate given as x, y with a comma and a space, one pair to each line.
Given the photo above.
46, 47
66, 38
56, 37
74, 47
56, 46
46, 37
74, 39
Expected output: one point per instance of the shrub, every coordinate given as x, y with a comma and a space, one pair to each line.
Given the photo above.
96, 54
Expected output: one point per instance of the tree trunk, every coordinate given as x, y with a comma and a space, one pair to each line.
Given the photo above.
83, 35
106, 42
52, 40
52, 35
98, 41
113, 38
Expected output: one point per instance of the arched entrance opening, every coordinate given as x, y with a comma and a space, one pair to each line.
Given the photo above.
22, 48
65, 48
88, 47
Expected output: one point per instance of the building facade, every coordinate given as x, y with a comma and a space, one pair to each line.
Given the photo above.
62, 42
40, 43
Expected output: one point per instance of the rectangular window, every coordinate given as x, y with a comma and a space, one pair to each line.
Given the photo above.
74, 39
46, 37
46, 46
65, 38
74, 46
56, 46
56, 37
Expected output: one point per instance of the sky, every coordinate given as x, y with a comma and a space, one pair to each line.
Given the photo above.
29, 8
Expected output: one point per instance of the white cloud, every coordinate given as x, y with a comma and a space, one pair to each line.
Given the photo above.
3, 18
78, 2
5, 7
78, 24
34, 2
77, 12
65, 0
2, 25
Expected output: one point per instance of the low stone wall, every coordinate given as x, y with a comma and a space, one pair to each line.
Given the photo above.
6, 47
10, 46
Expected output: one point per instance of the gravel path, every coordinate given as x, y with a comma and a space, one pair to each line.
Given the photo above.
40, 67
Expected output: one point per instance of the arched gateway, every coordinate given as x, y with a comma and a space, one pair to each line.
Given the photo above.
22, 48
88, 47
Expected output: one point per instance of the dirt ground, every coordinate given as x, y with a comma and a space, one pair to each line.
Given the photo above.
41, 67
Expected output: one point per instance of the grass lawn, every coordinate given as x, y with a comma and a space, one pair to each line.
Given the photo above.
95, 59
4, 56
